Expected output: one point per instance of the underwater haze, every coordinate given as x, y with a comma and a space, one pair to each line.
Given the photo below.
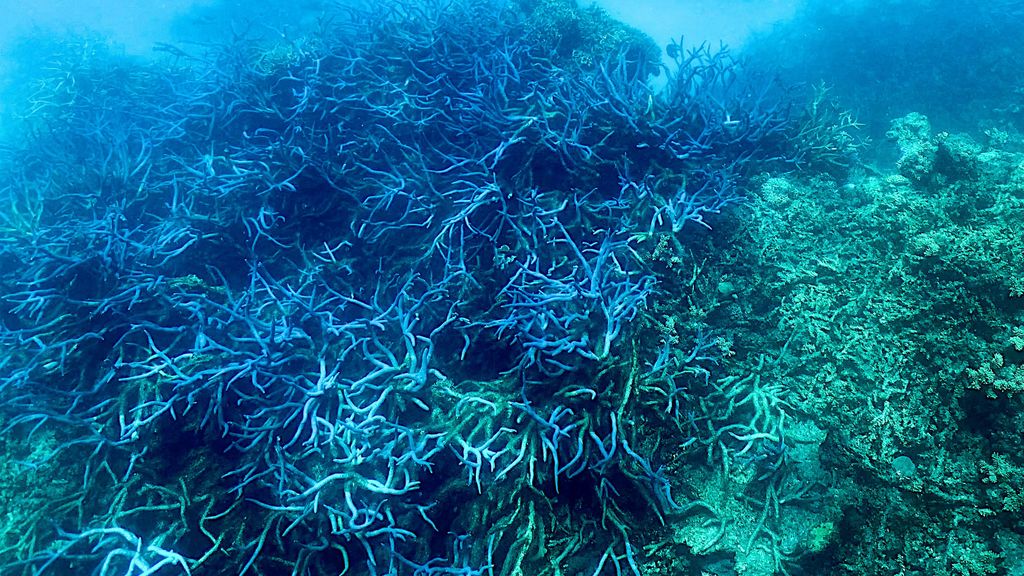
512, 288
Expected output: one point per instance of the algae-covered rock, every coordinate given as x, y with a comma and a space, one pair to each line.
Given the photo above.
898, 294
912, 134
956, 155
584, 37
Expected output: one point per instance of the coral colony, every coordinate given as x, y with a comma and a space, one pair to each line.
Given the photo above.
381, 299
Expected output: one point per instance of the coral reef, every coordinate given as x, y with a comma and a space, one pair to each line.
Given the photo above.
407, 295
451, 288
